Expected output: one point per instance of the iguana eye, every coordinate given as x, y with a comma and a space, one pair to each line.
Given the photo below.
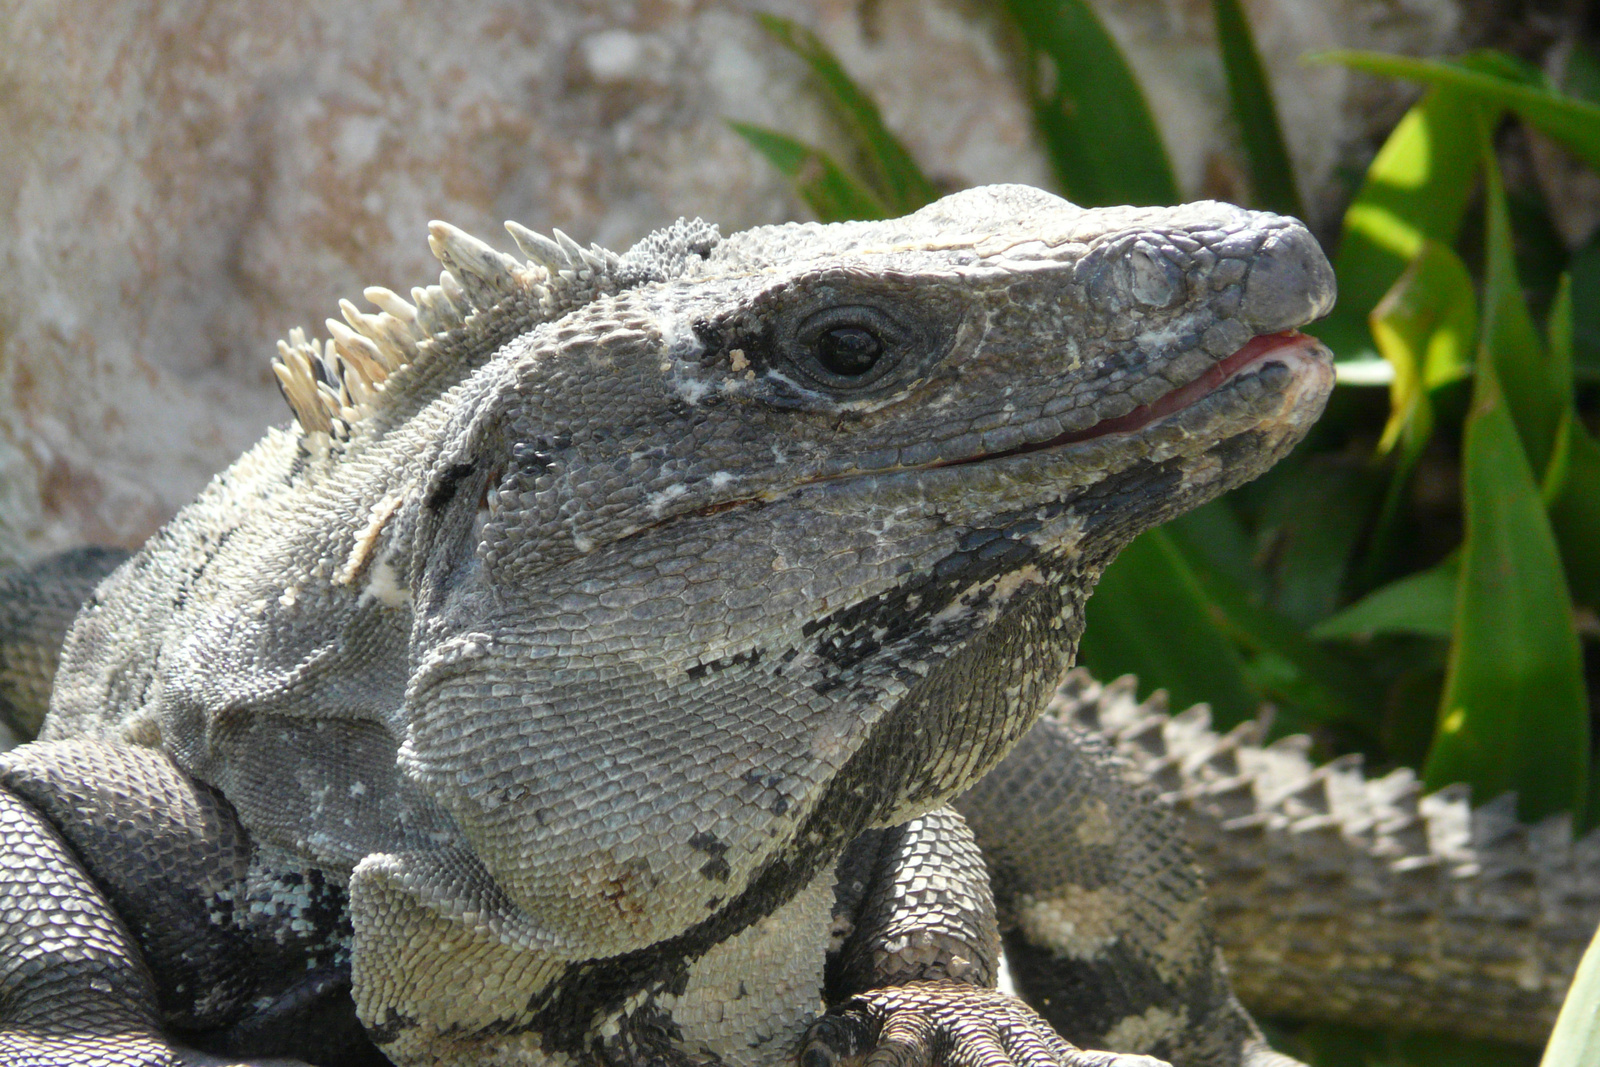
849, 351
849, 347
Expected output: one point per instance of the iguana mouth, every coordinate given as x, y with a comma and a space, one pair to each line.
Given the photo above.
1289, 343
1290, 346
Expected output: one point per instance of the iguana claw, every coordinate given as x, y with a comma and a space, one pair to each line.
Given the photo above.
945, 1024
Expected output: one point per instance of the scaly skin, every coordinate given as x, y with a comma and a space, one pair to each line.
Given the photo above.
1267, 825
599, 605
1347, 898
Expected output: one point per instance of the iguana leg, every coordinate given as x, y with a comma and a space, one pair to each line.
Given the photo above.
1101, 905
73, 985
156, 915
912, 904
911, 982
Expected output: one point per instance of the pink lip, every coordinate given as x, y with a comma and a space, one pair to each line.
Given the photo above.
1254, 351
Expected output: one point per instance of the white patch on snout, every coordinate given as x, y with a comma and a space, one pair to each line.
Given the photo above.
657, 502
678, 339
1166, 336
689, 388
792, 384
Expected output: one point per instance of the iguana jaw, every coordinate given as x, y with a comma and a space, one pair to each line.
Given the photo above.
1289, 346
1303, 354
1309, 361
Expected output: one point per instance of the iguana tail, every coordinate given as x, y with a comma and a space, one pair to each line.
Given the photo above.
1342, 897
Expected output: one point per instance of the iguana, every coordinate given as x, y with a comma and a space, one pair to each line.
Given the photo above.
585, 674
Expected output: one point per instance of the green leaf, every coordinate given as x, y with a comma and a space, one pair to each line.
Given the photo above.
1535, 392
1558, 331
1271, 172
1425, 327
1319, 687
1336, 1045
1416, 190
1583, 73
891, 171
1315, 521
830, 191
1514, 715
1571, 487
1575, 1041
1575, 123
1423, 603
1149, 617
1585, 268
1089, 108
1573, 490
1213, 538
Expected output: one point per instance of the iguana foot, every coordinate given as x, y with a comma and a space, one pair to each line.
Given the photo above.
945, 1024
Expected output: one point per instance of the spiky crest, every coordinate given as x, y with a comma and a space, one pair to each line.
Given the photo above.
1420, 875
331, 384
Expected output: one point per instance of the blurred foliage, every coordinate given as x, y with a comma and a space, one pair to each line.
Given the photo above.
1420, 580
1089, 109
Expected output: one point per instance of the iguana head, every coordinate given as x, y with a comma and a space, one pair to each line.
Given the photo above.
788, 534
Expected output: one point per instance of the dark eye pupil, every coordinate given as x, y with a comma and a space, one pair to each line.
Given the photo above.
849, 351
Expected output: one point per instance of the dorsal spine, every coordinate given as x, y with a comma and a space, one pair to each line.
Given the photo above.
331, 384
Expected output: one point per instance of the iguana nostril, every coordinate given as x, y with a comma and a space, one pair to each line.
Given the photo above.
1156, 281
